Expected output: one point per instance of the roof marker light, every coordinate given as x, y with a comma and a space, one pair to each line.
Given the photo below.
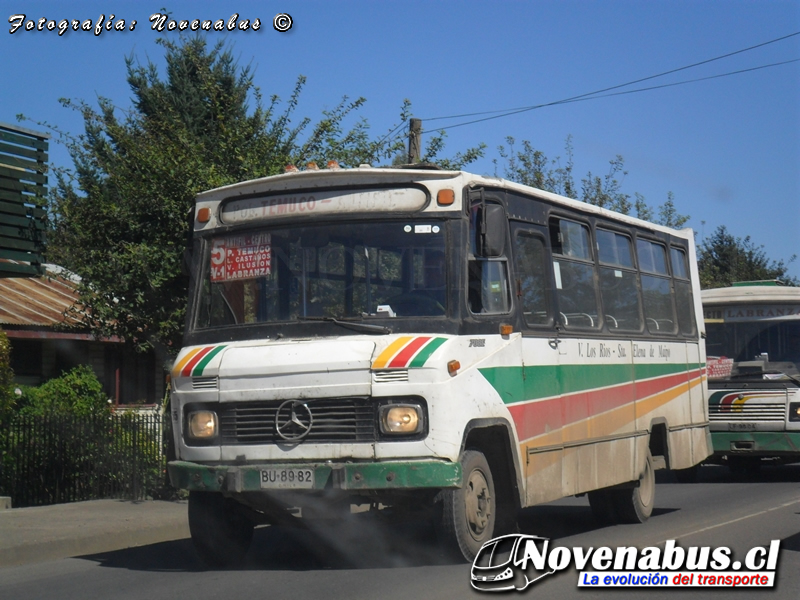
445, 197
312, 166
290, 169
332, 164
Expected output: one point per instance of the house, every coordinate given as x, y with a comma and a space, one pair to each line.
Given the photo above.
34, 313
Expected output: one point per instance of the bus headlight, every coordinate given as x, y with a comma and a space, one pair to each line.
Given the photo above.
794, 411
401, 419
202, 424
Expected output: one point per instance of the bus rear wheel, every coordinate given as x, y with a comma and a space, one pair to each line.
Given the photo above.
466, 519
220, 533
635, 505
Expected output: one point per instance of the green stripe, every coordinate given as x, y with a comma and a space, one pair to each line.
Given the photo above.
518, 384
426, 352
198, 368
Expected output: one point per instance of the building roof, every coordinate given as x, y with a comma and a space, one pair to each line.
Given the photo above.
38, 301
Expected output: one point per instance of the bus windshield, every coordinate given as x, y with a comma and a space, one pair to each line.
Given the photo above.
341, 270
761, 348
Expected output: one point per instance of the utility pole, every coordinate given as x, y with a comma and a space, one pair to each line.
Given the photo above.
414, 134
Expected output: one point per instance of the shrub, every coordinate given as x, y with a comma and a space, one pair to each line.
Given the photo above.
77, 392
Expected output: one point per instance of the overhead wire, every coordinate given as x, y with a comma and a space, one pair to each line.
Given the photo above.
584, 97
496, 114
635, 81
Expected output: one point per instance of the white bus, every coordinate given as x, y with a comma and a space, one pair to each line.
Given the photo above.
435, 341
753, 344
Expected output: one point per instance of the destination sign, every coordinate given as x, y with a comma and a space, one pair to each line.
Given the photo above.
281, 206
241, 257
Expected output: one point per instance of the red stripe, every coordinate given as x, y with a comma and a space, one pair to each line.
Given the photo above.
187, 370
535, 418
406, 353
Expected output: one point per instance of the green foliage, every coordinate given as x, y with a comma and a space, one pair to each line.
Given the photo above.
76, 392
532, 167
723, 259
6, 375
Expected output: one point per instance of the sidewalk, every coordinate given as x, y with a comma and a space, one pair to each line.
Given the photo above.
43, 533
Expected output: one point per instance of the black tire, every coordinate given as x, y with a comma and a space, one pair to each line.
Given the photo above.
220, 533
602, 505
466, 519
635, 505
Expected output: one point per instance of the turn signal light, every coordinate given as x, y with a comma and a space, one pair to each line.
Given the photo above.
445, 197
453, 366
506, 329
204, 215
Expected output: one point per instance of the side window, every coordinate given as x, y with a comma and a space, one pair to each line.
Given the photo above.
488, 286
574, 274
530, 260
659, 308
619, 286
683, 291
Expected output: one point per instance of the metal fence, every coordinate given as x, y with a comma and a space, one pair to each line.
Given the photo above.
67, 458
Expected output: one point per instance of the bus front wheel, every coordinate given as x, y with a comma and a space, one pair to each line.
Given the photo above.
220, 534
466, 517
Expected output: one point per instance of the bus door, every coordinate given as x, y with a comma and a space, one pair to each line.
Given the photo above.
538, 418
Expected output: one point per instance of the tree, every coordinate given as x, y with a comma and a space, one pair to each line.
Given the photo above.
723, 258
119, 218
532, 167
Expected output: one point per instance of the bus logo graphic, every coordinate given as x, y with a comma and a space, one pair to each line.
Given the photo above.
501, 564
293, 420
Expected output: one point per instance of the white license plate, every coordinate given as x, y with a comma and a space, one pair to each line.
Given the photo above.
287, 479
741, 426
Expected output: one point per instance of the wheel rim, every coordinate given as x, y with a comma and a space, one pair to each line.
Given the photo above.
478, 503
647, 485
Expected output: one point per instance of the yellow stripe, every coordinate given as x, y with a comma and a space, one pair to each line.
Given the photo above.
387, 354
176, 370
604, 424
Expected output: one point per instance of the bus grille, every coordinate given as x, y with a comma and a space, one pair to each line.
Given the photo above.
334, 420
748, 411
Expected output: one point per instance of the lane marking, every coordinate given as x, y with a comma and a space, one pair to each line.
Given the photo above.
763, 512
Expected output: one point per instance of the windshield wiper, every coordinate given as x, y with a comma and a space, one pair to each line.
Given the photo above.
355, 325
760, 373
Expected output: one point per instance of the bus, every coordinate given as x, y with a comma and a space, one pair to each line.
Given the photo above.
753, 342
453, 346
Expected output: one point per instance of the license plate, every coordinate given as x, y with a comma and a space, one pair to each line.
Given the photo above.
287, 479
741, 426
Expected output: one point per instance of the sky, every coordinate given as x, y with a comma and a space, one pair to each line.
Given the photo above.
727, 148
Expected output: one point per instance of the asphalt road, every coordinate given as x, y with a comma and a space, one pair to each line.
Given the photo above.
367, 558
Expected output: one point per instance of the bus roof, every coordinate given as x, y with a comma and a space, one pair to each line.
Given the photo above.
366, 175
751, 294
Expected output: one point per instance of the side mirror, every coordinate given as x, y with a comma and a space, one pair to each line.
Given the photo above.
493, 231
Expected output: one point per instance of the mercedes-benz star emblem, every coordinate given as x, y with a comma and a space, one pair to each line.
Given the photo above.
293, 420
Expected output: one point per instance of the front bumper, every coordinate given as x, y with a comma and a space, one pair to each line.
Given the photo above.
756, 443
418, 474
